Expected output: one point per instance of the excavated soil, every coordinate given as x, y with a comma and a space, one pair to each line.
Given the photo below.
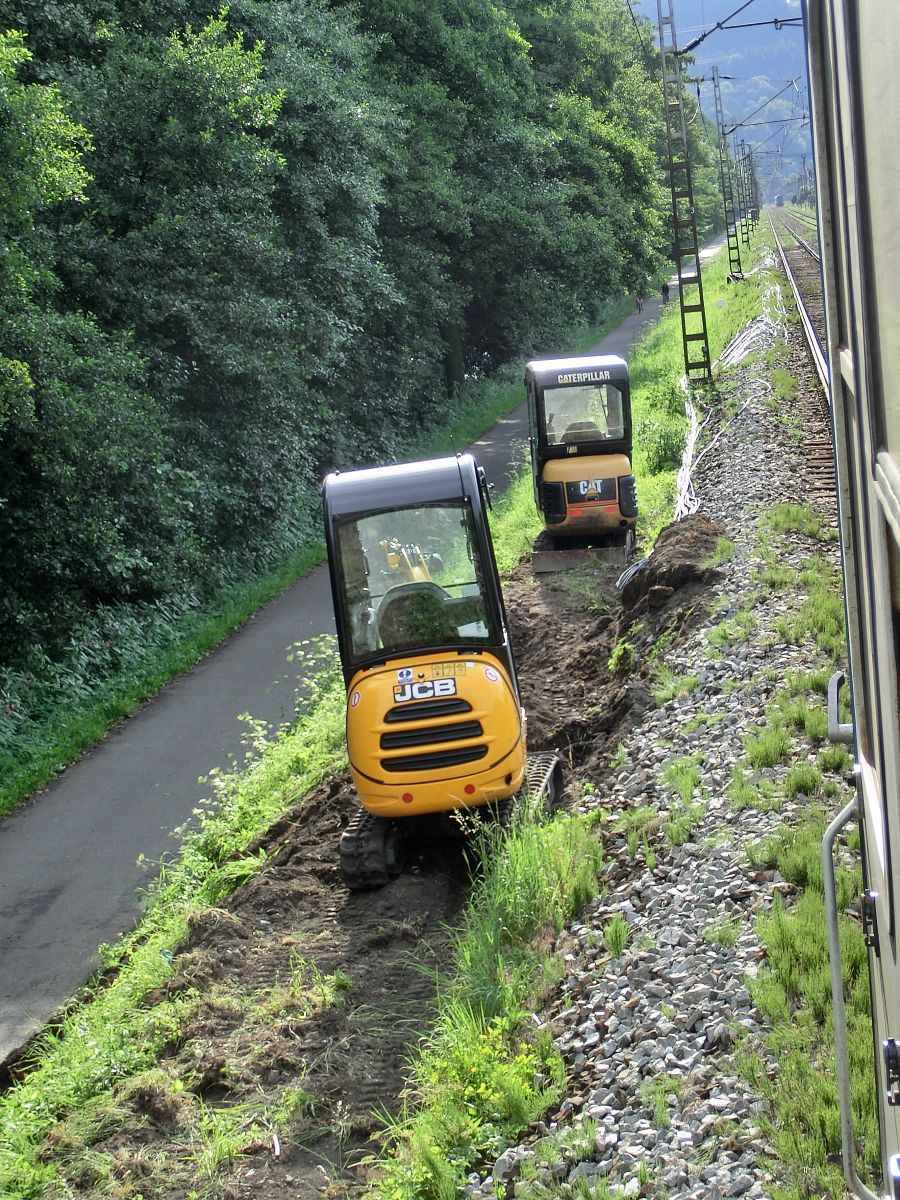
254, 970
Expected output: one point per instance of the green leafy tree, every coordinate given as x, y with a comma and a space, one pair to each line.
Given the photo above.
76, 428
602, 106
41, 149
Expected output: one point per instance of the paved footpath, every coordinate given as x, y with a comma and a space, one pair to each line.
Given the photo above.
70, 874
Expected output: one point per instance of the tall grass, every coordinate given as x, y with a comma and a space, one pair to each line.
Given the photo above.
794, 991
479, 1078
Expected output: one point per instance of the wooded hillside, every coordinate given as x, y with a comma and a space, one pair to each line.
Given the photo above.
240, 247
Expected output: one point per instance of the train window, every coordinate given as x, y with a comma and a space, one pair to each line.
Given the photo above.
876, 73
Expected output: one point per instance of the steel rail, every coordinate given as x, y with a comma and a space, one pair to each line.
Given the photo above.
803, 218
815, 349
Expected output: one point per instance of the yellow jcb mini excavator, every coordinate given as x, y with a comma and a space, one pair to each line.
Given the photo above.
434, 720
579, 413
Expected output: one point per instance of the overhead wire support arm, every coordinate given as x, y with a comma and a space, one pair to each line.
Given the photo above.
695, 340
718, 25
778, 22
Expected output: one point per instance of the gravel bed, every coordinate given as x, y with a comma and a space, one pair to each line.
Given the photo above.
655, 1104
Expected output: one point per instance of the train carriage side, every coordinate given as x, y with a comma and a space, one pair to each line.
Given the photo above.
853, 49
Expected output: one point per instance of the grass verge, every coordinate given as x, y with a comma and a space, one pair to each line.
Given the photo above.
108, 1035
481, 1077
794, 992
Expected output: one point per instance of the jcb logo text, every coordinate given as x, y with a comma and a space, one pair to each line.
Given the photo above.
426, 690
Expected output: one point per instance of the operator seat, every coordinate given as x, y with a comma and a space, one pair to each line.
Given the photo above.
414, 614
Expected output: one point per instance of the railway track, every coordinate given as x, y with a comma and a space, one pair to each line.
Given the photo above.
801, 264
804, 218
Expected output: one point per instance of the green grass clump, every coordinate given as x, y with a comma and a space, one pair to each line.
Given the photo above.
799, 682
682, 822
785, 385
820, 617
724, 549
797, 712
724, 932
835, 759
732, 631
794, 518
668, 684
764, 796
741, 793
803, 779
616, 935
478, 1079
658, 1094
623, 657
777, 577
709, 720
768, 748
682, 776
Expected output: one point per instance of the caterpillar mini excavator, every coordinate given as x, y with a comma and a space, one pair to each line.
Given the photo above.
435, 724
579, 413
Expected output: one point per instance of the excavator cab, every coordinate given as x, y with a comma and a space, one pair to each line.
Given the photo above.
434, 719
579, 412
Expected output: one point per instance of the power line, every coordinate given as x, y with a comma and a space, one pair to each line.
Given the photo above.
790, 83
776, 121
778, 22
640, 36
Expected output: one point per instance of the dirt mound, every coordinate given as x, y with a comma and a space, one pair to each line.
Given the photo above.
680, 557
565, 628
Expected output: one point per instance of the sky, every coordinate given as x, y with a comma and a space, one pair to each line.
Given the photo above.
755, 63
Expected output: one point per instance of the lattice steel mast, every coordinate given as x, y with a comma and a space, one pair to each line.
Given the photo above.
684, 223
725, 172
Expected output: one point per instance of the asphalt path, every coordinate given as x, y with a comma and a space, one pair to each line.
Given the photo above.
75, 858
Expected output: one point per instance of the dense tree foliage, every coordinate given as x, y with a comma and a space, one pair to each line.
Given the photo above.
239, 246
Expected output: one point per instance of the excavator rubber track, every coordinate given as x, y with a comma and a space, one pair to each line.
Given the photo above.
544, 780
372, 848
371, 852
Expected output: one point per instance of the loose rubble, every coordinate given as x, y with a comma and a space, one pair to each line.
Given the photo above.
655, 1104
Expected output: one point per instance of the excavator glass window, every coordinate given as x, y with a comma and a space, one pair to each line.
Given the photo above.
411, 579
583, 413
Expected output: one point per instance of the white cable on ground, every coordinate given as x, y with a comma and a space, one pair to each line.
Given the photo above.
686, 498
687, 501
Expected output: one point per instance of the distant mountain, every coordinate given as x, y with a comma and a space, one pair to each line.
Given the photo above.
755, 64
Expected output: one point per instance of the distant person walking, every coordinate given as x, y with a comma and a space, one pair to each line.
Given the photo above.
665, 292
640, 302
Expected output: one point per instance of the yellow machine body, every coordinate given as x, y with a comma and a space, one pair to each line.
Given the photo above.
435, 732
579, 414
591, 491
407, 561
